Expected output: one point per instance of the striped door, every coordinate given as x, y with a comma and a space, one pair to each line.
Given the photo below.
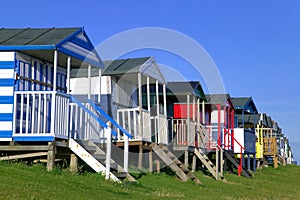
7, 65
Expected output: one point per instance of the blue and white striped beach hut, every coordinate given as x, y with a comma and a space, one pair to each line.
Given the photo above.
34, 77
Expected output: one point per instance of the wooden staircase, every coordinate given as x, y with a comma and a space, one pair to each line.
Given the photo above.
208, 164
232, 159
95, 157
174, 163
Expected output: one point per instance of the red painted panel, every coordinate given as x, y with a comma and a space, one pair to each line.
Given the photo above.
180, 111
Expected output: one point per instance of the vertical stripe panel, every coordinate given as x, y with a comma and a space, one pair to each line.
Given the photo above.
7, 67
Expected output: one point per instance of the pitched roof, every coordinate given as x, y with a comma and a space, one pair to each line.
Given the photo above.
244, 103
123, 66
184, 88
217, 98
240, 101
37, 36
248, 119
35, 41
131, 66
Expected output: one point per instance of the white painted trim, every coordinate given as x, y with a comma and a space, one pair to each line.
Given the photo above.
6, 126
7, 73
5, 139
7, 56
6, 108
6, 91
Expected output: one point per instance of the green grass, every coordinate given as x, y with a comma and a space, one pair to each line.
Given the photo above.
19, 181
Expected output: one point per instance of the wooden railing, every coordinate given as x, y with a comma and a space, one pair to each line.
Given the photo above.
159, 127
128, 118
41, 113
183, 134
85, 124
270, 146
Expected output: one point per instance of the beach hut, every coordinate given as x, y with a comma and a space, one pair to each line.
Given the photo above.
39, 117
186, 114
220, 123
247, 119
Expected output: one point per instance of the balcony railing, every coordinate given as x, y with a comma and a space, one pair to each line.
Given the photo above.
41, 113
129, 120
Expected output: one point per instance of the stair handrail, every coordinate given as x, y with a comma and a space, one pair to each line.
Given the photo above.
240, 168
74, 100
102, 112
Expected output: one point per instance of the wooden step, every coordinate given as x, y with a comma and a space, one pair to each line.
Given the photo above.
100, 157
176, 165
245, 172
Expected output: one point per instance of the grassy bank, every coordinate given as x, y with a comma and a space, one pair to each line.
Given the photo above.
19, 181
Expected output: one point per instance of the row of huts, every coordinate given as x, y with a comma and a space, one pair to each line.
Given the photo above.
60, 101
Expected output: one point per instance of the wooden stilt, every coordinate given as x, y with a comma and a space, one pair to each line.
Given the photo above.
222, 162
73, 163
275, 161
194, 163
51, 156
140, 164
217, 163
157, 166
150, 161
186, 158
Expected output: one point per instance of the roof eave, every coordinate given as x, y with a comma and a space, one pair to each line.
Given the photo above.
27, 47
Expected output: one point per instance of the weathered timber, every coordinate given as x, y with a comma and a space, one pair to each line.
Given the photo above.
176, 165
20, 156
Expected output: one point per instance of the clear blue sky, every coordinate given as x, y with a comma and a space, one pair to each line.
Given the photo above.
255, 44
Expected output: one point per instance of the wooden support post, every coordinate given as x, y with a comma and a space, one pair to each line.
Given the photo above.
126, 153
73, 163
217, 163
249, 165
203, 112
68, 74
254, 162
89, 81
51, 156
222, 162
107, 132
275, 161
99, 96
140, 164
150, 161
186, 158
140, 102
194, 163
157, 166
188, 121
157, 113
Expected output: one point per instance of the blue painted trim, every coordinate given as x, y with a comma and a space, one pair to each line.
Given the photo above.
6, 99
5, 134
58, 45
109, 118
88, 111
47, 78
34, 138
6, 82
27, 47
17, 69
7, 64
41, 75
6, 116
34, 75
88, 39
82, 44
80, 57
